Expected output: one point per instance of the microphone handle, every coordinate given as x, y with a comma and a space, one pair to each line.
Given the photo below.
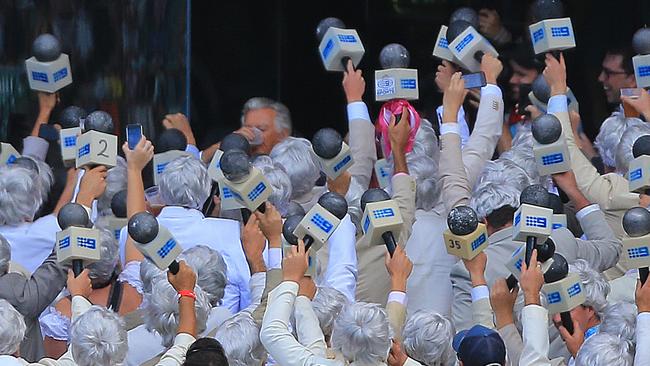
643, 273
531, 243
262, 207
344, 62
174, 267
478, 56
245, 215
567, 322
511, 281
308, 240
208, 207
389, 239
77, 267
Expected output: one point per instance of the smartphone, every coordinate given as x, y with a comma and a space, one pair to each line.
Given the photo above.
475, 80
49, 133
133, 134
524, 101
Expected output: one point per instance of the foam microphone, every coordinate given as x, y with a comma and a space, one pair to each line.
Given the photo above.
551, 32
246, 182
638, 174
532, 220
318, 224
154, 241
338, 45
466, 237
559, 218
441, 49
118, 220
396, 80
294, 208
97, 145
229, 142
545, 254
563, 290
48, 70
549, 146
332, 152
382, 219
77, 242
641, 62
71, 121
466, 14
171, 145
541, 92
467, 45
8, 154
636, 251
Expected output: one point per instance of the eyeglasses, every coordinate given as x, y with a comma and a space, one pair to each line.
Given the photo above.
609, 72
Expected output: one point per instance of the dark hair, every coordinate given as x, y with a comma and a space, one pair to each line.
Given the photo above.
524, 56
206, 352
501, 216
626, 53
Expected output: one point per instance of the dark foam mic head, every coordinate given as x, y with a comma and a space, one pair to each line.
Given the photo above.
556, 204
334, 203
558, 270
546, 129
373, 195
636, 222
641, 146
235, 141
322, 180
641, 41
143, 227
290, 224
118, 204
235, 165
294, 208
46, 48
26, 163
535, 195
546, 250
456, 28
325, 24
99, 121
541, 89
73, 214
72, 116
462, 220
466, 14
394, 55
327, 143
547, 9
171, 139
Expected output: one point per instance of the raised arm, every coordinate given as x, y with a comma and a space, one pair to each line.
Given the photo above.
481, 310
403, 184
642, 356
341, 272
399, 268
308, 328
503, 300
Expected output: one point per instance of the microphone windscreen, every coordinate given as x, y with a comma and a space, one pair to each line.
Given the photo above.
294, 208
327, 143
546, 129
235, 165
373, 195
73, 214
541, 89
143, 227
325, 24
462, 220
72, 116
290, 224
641, 41
558, 269
547, 9
546, 250
466, 14
456, 28
171, 139
641, 146
556, 204
99, 121
535, 195
334, 203
46, 48
235, 141
394, 55
118, 204
636, 222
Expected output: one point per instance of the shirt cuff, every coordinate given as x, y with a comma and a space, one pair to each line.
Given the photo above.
643, 316
275, 258
480, 292
358, 110
400, 174
397, 296
183, 339
193, 150
586, 211
450, 128
35, 147
491, 89
558, 103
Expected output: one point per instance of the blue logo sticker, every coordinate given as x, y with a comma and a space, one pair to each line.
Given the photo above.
342, 163
165, 249
40, 76
556, 225
574, 290
322, 223
442, 43
60, 74
227, 193
460, 46
536, 221
557, 32
161, 167
347, 38
636, 174
643, 71
554, 297
518, 264
407, 83
70, 141
64, 243
328, 49
366, 224
552, 159
383, 172
538, 35
117, 234
259, 189
517, 218
84, 150
88, 243
382, 213
478, 242
639, 252
12, 158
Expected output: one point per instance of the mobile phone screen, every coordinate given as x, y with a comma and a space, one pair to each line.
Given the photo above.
133, 134
475, 80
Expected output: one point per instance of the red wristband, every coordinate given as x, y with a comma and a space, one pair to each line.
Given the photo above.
186, 293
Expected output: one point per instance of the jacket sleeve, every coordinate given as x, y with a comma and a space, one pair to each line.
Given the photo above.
362, 143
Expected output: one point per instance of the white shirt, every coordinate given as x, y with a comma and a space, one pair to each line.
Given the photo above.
31, 242
341, 272
642, 357
429, 286
190, 228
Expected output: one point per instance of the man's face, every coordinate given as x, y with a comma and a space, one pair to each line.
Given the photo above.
520, 75
585, 316
614, 78
264, 120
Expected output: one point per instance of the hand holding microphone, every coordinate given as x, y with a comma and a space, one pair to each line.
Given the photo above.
338, 45
466, 237
382, 220
154, 241
77, 243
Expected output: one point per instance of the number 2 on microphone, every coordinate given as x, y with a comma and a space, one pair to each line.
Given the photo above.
454, 244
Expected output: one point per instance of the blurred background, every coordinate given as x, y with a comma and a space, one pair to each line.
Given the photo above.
139, 60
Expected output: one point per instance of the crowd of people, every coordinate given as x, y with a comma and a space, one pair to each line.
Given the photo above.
242, 295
